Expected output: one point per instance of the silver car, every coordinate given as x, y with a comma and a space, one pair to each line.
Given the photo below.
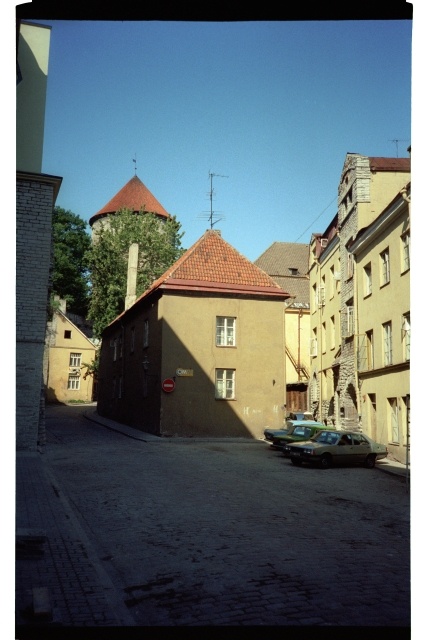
338, 447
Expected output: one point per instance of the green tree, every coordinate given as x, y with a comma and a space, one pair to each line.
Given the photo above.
159, 247
70, 277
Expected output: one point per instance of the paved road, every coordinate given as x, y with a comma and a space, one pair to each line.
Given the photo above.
197, 532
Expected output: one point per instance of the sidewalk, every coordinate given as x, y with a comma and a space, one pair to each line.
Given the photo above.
59, 579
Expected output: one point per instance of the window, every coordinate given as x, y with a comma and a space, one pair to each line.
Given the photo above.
73, 382
294, 271
405, 251
225, 331
314, 298
67, 334
132, 344
146, 334
406, 336
332, 332
348, 324
313, 350
331, 283
385, 267
349, 266
115, 349
370, 349
120, 386
394, 418
324, 337
75, 359
225, 384
367, 280
387, 343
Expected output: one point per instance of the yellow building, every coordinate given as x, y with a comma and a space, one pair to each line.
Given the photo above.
324, 348
383, 325
287, 264
69, 350
367, 186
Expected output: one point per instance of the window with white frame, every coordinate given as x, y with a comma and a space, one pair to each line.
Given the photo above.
385, 267
406, 335
313, 349
73, 382
387, 343
75, 359
367, 280
348, 320
405, 251
225, 384
225, 331
394, 419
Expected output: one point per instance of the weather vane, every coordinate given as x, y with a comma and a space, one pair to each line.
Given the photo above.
135, 163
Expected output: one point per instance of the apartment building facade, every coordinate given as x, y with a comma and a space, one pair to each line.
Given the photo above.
366, 187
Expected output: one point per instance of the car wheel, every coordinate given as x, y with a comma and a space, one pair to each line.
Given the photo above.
325, 461
296, 462
370, 462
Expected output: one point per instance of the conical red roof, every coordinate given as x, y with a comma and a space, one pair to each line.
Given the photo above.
134, 196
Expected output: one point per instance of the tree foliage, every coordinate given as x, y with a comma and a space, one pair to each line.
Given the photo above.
70, 278
159, 247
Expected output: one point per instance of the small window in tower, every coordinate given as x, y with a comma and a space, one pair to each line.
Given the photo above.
294, 271
67, 334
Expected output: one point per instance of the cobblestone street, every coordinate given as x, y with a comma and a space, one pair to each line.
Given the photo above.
190, 532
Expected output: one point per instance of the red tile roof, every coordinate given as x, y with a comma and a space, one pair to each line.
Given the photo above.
213, 265
134, 195
390, 164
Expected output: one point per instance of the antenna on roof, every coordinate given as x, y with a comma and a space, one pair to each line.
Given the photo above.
211, 176
135, 163
396, 141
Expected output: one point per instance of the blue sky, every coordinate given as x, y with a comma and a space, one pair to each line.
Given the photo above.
273, 106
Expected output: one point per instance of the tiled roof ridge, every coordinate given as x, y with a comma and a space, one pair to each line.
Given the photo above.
194, 273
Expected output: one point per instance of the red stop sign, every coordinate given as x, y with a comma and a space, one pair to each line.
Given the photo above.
168, 385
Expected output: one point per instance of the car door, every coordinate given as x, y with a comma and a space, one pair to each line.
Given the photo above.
345, 449
361, 447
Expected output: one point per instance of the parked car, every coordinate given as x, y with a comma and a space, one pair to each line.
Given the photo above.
290, 418
338, 447
299, 415
270, 434
302, 430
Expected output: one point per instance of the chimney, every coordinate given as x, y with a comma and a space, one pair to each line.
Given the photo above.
130, 298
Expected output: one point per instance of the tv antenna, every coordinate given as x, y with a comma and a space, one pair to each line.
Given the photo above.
135, 164
396, 141
211, 192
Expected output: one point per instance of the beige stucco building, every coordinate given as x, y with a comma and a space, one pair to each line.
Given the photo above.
201, 352
69, 349
287, 264
367, 188
383, 325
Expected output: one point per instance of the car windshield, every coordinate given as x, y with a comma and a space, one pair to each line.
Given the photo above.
327, 437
